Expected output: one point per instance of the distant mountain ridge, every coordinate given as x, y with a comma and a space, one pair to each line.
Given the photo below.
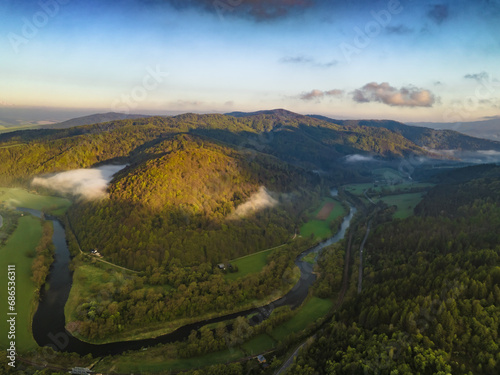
98, 118
488, 129
424, 137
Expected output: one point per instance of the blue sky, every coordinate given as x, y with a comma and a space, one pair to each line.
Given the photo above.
407, 60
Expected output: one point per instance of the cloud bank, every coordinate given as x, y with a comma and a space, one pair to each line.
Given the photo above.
89, 184
257, 201
319, 94
387, 94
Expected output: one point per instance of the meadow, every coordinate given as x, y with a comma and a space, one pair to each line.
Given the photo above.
155, 360
321, 229
15, 252
14, 197
249, 264
405, 203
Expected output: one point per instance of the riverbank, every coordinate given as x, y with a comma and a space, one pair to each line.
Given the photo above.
51, 319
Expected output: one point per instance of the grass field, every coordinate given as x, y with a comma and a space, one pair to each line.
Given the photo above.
321, 228
314, 309
13, 197
142, 361
405, 202
248, 264
25, 238
259, 344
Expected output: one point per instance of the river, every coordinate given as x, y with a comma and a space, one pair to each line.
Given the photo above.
49, 321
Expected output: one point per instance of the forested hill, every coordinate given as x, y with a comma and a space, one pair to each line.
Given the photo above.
424, 137
193, 201
431, 291
300, 140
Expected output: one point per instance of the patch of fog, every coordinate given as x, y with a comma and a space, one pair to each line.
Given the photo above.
479, 156
89, 184
356, 158
257, 201
476, 157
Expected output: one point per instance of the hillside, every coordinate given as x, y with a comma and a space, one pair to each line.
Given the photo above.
425, 137
300, 140
184, 202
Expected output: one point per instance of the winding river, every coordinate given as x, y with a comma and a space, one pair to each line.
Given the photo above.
49, 321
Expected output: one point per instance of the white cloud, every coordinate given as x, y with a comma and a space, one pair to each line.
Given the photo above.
387, 94
88, 184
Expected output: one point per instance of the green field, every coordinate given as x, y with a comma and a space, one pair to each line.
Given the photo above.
248, 264
321, 228
406, 203
259, 344
143, 361
24, 239
313, 310
13, 197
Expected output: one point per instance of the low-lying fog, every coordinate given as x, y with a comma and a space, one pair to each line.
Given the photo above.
88, 183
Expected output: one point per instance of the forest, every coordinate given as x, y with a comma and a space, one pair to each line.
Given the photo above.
431, 297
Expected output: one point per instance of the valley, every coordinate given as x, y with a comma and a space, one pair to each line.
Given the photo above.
211, 239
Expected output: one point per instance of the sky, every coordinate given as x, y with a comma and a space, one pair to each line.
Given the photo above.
408, 60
